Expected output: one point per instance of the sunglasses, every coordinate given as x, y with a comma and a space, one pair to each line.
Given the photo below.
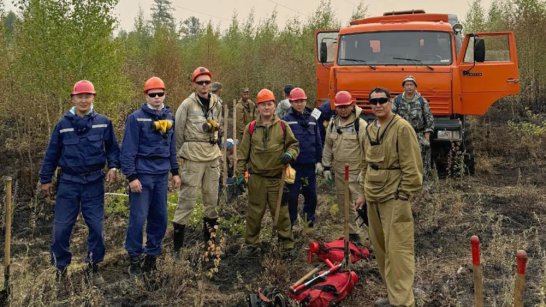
152, 95
381, 100
204, 82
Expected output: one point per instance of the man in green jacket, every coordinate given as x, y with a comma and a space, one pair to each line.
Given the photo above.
268, 145
245, 111
392, 172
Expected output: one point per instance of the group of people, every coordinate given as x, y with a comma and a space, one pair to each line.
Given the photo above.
384, 157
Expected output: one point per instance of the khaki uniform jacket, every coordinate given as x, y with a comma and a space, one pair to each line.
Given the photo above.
192, 142
261, 152
347, 146
392, 162
244, 115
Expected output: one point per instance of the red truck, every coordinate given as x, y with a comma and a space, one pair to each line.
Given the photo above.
459, 75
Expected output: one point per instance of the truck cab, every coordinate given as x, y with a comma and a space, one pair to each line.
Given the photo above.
459, 75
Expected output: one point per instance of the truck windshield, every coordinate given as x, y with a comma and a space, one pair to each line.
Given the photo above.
395, 48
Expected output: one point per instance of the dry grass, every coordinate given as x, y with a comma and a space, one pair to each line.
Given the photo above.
504, 204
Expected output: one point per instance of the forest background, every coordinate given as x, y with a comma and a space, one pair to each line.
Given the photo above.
47, 45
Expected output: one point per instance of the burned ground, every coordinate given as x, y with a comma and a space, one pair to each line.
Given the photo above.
504, 204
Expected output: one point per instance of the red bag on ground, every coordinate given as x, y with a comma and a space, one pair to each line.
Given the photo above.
334, 251
333, 289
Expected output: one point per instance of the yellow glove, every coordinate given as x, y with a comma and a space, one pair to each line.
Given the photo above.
163, 125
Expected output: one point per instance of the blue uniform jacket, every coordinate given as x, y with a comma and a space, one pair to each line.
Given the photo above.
144, 149
81, 146
307, 132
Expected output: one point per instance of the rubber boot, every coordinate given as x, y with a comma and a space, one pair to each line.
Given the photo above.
149, 264
355, 238
93, 274
135, 269
209, 229
178, 238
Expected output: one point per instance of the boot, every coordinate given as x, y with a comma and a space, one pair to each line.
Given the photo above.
135, 269
209, 229
93, 275
355, 238
178, 238
149, 264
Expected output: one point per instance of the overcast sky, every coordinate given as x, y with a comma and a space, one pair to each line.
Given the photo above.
219, 12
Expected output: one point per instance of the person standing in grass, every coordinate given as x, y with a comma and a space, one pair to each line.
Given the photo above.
392, 172
148, 154
198, 121
268, 145
81, 144
307, 132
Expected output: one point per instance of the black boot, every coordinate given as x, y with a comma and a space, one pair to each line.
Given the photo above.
178, 237
355, 238
135, 266
209, 228
149, 264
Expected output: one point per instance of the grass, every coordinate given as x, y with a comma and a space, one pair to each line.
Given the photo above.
504, 204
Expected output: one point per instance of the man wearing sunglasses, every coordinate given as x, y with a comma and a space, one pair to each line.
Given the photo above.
415, 109
198, 120
148, 154
246, 112
81, 144
344, 144
392, 172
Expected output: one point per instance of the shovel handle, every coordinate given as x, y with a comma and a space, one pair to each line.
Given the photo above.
225, 173
519, 288
7, 246
477, 272
304, 278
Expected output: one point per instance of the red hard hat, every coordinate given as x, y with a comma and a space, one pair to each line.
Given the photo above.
200, 71
343, 98
265, 95
83, 87
297, 94
154, 83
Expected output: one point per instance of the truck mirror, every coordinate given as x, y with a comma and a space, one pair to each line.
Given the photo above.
479, 50
323, 52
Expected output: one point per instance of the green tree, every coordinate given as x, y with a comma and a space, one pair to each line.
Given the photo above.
475, 17
56, 44
360, 11
162, 14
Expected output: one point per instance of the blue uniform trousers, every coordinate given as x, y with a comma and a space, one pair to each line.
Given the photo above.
72, 198
148, 206
307, 181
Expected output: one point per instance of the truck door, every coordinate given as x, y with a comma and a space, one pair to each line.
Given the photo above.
325, 43
488, 71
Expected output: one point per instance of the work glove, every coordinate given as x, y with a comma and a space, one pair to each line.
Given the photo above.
319, 168
328, 176
286, 158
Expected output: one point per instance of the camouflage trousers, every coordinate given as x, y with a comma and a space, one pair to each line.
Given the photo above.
427, 162
426, 156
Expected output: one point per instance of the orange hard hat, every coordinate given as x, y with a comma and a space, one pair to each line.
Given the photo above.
343, 98
83, 87
154, 83
297, 94
199, 71
265, 95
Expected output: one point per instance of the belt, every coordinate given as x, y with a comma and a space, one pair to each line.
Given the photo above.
92, 172
377, 167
